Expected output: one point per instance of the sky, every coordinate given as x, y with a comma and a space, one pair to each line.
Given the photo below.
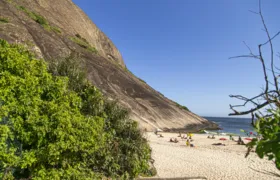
182, 47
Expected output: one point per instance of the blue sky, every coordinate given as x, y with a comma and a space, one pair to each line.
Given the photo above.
181, 47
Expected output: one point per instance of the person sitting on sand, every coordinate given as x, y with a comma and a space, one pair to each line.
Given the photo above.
208, 137
160, 135
213, 136
171, 140
176, 140
240, 141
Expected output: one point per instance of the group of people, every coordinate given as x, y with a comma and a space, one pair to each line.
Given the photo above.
239, 141
175, 140
187, 136
211, 137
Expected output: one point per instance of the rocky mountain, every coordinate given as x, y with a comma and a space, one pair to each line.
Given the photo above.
54, 29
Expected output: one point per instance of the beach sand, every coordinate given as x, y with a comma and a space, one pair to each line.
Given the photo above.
173, 160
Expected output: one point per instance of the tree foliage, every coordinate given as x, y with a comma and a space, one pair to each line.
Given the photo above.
52, 129
269, 143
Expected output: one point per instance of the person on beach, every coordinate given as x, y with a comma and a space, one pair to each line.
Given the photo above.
190, 135
240, 141
188, 142
179, 134
218, 144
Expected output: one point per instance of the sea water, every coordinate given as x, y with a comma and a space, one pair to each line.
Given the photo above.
232, 125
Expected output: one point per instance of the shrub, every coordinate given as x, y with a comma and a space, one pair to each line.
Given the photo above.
44, 135
52, 129
126, 153
268, 145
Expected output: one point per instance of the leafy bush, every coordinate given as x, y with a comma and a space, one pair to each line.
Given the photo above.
268, 145
43, 133
126, 153
83, 43
51, 130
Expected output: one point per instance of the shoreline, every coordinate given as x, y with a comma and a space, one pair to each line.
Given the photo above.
176, 160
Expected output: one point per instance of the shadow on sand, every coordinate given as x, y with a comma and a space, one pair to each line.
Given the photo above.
266, 172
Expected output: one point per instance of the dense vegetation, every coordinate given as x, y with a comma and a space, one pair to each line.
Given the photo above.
269, 143
55, 125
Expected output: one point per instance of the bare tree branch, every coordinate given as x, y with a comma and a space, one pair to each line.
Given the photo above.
249, 111
245, 56
270, 93
253, 12
271, 46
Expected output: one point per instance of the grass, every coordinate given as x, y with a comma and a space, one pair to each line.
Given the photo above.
142, 80
4, 20
56, 29
181, 107
127, 70
40, 20
83, 43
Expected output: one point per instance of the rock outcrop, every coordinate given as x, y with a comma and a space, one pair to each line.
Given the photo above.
55, 29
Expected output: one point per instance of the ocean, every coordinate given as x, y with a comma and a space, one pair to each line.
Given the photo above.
232, 125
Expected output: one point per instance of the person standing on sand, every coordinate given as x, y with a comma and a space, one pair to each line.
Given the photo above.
179, 134
188, 142
190, 135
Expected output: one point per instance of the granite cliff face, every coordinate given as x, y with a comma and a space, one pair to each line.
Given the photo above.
53, 29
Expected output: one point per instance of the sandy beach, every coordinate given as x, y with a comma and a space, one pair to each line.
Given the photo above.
173, 160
